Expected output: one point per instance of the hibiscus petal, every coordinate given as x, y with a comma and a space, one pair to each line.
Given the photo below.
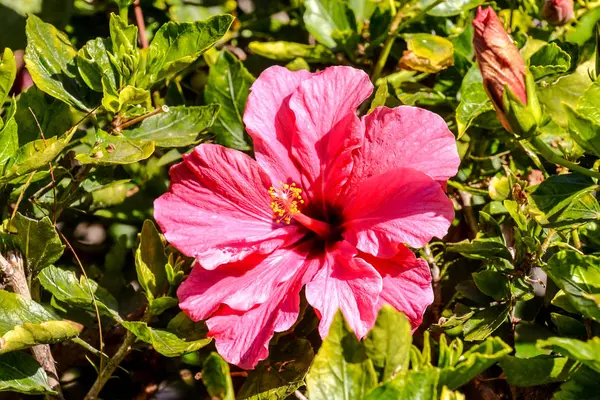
406, 283
270, 122
347, 283
242, 337
405, 137
319, 105
240, 285
217, 209
400, 206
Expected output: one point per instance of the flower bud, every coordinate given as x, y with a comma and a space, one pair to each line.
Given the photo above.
558, 12
500, 62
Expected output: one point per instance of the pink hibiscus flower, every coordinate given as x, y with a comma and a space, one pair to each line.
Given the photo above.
328, 204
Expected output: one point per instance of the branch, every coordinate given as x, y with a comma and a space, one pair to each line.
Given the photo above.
15, 275
139, 20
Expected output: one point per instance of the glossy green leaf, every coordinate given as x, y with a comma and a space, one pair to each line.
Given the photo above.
9, 143
481, 249
150, 261
65, 286
483, 323
427, 53
414, 385
331, 22
162, 304
568, 326
38, 112
473, 103
450, 8
123, 36
461, 369
216, 378
566, 199
579, 277
584, 385
288, 51
25, 323
229, 85
584, 131
93, 63
35, 155
19, 372
50, 61
540, 370
177, 45
265, 382
492, 283
8, 72
550, 60
166, 343
388, 342
178, 127
38, 241
111, 149
341, 368
587, 353
118, 101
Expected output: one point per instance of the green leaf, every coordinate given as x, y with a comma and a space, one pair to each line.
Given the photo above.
414, 385
583, 385
93, 63
38, 241
33, 108
8, 72
111, 149
288, 51
65, 286
588, 104
450, 8
341, 368
481, 249
568, 326
492, 283
177, 45
9, 143
474, 102
150, 261
579, 277
20, 373
216, 378
388, 344
162, 304
180, 126
535, 371
35, 155
565, 199
484, 323
464, 367
427, 53
129, 96
363, 9
123, 36
585, 132
292, 361
568, 89
229, 85
587, 353
25, 323
50, 61
166, 343
549, 60
331, 22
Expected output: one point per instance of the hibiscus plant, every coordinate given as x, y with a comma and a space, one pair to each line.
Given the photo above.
300, 199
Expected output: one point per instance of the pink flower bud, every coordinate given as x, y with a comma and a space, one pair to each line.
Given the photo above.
499, 60
558, 12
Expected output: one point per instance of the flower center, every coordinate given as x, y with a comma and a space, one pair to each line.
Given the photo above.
285, 202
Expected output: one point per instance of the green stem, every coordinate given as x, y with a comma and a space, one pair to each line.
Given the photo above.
387, 47
553, 158
124, 13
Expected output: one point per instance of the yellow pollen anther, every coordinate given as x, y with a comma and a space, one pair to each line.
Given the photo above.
285, 201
